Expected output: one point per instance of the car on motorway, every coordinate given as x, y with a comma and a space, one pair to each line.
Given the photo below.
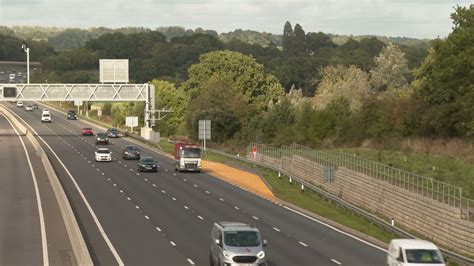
87, 131
71, 114
45, 111
147, 164
46, 117
29, 108
131, 152
113, 133
19, 104
234, 243
35, 106
103, 155
407, 252
102, 138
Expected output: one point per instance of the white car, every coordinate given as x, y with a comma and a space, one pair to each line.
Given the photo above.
103, 155
19, 104
29, 108
406, 252
45, 118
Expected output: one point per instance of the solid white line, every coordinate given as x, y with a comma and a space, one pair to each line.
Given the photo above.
191, 262
334, 228
94, 216
276, 229
44, 242
335, 261
303, 244
172, 243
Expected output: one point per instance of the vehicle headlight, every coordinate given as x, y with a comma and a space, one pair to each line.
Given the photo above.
154, 165
227, 254
126, 152
261, 255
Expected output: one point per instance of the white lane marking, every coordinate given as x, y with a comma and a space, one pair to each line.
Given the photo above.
44, 242
335, 229
146, 179
119, 161
138, 174
115, 185
131, 170
98, 170
136, 206
124, 165
128, 198
154, 185
191, 262
208, 192
276, 229
199, 216
335, 261
147, 217
163, 191
173, 244
121, 191
186, 207
173, 198
303, 244
166, 170
158, 229
184, 179
255, 218
235, 207
174, 174
221, 199
195, 185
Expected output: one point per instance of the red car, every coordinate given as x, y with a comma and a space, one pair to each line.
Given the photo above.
87, 131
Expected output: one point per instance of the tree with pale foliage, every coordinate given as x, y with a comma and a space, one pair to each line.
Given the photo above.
340, 81
390, 72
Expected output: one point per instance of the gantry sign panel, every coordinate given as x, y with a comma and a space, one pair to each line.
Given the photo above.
74, 92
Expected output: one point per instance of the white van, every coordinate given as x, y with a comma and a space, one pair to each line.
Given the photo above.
413, 252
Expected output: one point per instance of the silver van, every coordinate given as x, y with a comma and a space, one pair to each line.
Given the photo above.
235, 244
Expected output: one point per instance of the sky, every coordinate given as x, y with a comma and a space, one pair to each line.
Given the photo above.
395, 18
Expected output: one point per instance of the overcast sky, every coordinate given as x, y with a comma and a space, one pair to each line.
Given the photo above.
410, 18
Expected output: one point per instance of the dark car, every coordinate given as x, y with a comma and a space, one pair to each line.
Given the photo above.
71, 114
35, 106
131, 152
113, 133
87, 131
147, 164
102, 138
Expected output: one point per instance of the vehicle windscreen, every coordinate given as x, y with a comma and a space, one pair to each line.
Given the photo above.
423, 256
103, 151
191, 153
241, 238
148, 160
112, 130
132, 148
45, 115
101, 135
87, 128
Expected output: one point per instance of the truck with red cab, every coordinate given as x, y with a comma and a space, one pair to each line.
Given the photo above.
188, 157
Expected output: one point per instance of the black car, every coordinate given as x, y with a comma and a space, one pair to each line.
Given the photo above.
131, 152
102, 138
71, 114
35, 106
113, 133
147, 164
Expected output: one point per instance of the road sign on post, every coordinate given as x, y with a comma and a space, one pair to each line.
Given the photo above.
204, 131
131, 121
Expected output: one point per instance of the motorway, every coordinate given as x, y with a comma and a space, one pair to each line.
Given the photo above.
165, 218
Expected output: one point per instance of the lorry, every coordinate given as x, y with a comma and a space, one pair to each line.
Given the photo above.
187, 156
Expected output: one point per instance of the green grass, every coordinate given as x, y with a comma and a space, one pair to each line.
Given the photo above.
442, 168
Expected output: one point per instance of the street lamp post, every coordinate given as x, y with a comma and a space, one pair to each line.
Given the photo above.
27, 51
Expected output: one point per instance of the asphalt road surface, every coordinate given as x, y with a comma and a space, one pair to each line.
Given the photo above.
20, 235
165, 218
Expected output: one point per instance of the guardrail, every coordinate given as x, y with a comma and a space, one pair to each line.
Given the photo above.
451, 256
